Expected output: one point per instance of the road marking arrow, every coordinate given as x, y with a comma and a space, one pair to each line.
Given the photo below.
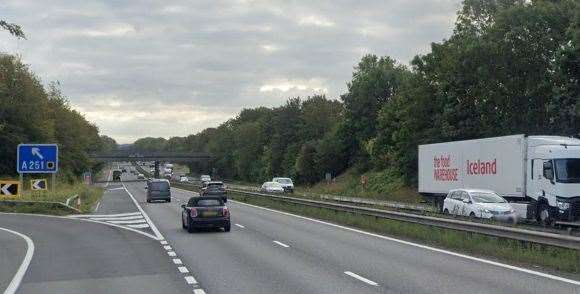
36, 151
5, 190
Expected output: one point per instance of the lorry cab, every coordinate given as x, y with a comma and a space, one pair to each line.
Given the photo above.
553, 167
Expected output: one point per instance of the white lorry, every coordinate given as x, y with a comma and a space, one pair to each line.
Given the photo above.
540, 174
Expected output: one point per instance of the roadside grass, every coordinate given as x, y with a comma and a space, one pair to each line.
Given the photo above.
525, 253
89, 196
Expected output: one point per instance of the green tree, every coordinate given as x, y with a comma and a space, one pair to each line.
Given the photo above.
13, 29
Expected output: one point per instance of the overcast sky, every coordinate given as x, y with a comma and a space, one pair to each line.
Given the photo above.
171, 68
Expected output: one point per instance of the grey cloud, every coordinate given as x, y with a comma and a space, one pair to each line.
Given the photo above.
210, 57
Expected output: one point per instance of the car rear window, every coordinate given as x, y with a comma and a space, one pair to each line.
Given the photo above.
159, 186
208, 202
215, 185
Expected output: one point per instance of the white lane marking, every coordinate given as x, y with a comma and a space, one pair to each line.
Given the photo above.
151, 224
140, 226
167, 247
238, 225
182, 269
109, 178
190, 280
281, 244
498, 264
104, 215
17, 279
131, 221
163, 242
177, 261
139, 216
98, 204
198, 291
171, 253
360, 278
113, 189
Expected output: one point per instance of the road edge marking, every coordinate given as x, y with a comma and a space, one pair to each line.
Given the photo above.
17, 279
482, 260
361, 278
281, 244
149, 221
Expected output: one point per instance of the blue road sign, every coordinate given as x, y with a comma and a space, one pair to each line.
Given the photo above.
37, 158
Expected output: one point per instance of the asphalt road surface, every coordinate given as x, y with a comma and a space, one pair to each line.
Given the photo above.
130, 246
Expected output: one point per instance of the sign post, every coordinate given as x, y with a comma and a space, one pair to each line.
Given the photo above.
37, 159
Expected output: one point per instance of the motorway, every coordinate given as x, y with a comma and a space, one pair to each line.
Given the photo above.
130, 246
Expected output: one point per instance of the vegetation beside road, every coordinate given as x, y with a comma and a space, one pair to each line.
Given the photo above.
524, 253
89, 196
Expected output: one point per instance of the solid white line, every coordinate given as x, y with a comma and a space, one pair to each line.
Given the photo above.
98, 204
171, 253
131, 221
190, 280
104, 215
17, 279
163, 242
361, 278
238, 225
153, 227
198, 291
182, 269
139, 216
167, 247
281, 244
498, 264
140, 226
109, 178
177, 261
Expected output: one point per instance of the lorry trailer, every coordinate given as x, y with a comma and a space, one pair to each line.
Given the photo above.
539, 174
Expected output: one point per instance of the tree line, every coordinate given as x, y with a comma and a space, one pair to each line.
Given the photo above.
33, 113
509, 67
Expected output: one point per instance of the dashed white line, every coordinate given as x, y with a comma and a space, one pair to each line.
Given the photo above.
281, 244
171, 253
198, 291
177, 261
182, 269
360, 278
190, 280
240, 226
17, 279
167, 247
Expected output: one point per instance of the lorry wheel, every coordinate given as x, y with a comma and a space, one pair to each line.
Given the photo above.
544, 216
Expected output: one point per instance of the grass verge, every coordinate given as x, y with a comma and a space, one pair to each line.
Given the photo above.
526, 253
89, 196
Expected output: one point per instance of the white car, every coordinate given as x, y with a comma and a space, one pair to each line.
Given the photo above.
272, 187
205, 178
476, 203
286, 184
183, 179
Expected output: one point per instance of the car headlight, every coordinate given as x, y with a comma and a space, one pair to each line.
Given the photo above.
562, 205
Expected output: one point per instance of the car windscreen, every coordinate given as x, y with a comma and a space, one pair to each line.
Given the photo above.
159, 186
485, 197
208, 202
284, 181
568, 170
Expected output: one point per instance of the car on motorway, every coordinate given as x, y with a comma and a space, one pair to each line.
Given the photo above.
183, 179
158, 189
214, 188
286, 183
478, 203
117, 175
140, 176
205, 212
205, 178
272, 187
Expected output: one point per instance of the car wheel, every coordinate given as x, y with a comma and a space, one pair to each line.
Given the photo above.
227, 227
169, 200
446, 211
190, 228
148, 201
471, 216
